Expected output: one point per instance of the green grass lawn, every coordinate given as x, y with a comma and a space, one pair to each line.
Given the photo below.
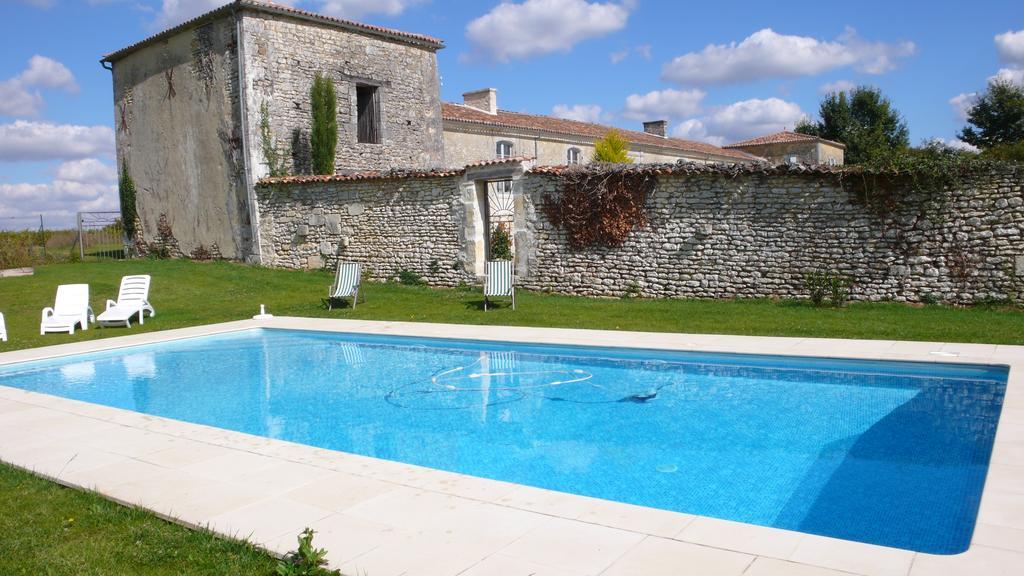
48, 529
188, 293
105, 538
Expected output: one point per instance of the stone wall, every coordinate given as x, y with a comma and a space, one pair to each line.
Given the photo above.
712, 233
282, 56
755, 236
389, 225
178, 131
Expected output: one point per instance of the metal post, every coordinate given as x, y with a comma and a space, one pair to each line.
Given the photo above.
81, 240
42, 236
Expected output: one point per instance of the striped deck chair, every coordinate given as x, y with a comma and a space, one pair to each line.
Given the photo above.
499, 280
346, 283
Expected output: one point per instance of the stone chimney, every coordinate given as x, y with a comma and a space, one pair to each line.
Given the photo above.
656, 127
485, 100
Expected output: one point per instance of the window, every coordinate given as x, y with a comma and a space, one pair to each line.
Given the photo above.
504, 149
572, 156
368, 114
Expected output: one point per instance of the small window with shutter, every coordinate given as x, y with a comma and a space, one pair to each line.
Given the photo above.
368, 112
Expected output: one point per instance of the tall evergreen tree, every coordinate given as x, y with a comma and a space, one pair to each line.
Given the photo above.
997, 117
323, 137
864, 120
126, 193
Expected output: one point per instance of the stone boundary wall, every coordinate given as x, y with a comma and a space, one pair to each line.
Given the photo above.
389, 225
711, 234
752, 235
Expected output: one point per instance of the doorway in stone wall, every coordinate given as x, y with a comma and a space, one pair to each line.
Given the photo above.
499, 219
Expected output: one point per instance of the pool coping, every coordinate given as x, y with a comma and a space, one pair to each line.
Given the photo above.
418, 520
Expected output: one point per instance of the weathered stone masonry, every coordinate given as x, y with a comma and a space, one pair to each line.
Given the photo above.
756, 236
389, 225
711, 235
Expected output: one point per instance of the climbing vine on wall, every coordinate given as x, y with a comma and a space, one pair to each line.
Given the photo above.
599, 207
126, 194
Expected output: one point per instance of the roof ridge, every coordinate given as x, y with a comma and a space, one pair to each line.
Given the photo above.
274, 8
638, 136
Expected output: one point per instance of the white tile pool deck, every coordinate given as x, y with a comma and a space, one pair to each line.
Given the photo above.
384, 518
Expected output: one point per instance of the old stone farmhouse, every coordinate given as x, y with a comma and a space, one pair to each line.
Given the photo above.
477, 130
189, 102
792, 148
188, 108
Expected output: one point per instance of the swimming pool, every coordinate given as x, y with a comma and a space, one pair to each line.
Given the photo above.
890, 453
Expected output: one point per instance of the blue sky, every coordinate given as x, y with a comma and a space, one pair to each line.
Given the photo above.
719, 71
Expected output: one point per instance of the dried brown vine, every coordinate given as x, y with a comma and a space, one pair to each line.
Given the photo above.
600, 207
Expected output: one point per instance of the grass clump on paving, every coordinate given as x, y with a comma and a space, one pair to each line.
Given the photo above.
46, 528
187, 293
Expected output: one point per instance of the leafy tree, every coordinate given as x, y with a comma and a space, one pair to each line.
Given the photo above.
612, 148
126, 193
864, 120
323, 138
997, 118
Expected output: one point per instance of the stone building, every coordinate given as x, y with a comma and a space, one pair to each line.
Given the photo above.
477, 130
189, 103
792, 148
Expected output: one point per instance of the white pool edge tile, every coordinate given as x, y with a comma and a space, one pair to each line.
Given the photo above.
870, 560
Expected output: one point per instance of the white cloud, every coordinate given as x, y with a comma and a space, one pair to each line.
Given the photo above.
174, 12
581, 112
837, 86
1010, 46
619, 56
536, 27
954, 143
741, 120
1011, 75
663, 104
38, 3
36, 141
962, 104
767, 54
86, 170
17, 97
359, 8
48, 73
643, 51
77, 186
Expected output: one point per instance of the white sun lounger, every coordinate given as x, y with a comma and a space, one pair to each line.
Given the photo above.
3, 328
132, 300
499, 280
346, 283
70, 309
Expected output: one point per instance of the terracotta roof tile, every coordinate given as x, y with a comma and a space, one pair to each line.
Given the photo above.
461, 113
781, 137
271, 8
353, 176
683, 167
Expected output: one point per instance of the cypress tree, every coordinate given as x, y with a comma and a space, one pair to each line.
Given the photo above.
126, 192
323, 137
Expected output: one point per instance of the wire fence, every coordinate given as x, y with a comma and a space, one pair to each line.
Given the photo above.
27, 241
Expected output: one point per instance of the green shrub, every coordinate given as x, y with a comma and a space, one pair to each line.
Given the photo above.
410, 278
612, 148
307, 560
930, 298
323, 137
827, 285
501, 243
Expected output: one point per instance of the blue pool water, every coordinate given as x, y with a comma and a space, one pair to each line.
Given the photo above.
889, 453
